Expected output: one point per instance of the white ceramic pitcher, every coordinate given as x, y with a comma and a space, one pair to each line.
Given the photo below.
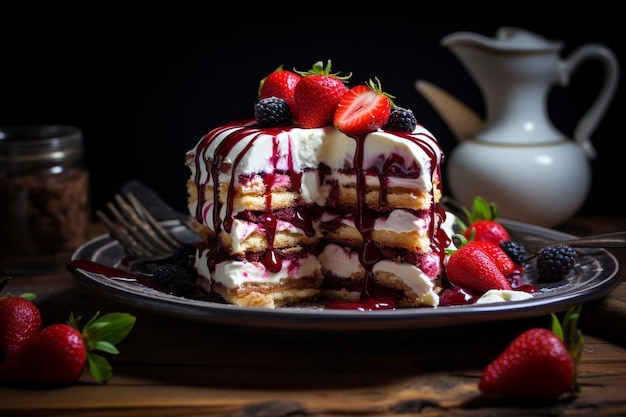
518, 159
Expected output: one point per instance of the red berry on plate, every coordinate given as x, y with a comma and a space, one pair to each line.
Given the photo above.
364, 108
554, 262
504, 263
483, 223
471, 268
487, 231
317, 95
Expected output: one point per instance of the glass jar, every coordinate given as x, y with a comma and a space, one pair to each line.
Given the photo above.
44, 198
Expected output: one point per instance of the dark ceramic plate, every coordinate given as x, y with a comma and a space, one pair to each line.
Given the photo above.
595, 275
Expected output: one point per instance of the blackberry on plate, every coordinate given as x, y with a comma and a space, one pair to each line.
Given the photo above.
179, 279
515, 250
184, 256
400, 120
272, 111
555, 262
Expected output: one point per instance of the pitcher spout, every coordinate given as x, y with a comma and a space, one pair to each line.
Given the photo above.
462, 120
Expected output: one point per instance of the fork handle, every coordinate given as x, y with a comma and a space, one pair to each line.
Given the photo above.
607, 240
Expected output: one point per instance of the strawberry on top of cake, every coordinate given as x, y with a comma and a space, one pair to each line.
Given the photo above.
329, 193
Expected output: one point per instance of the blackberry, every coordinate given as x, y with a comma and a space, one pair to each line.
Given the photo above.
272, 111
400, 120
515, 250
184, 256
179, 279
555, 262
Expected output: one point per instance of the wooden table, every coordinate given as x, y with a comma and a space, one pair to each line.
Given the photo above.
173, 367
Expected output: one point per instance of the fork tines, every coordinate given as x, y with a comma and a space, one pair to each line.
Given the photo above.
136, 229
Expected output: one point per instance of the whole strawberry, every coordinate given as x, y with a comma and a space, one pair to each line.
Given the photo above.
504, 263
282, 84
20, 319
539, 363
363, 109
317, 95
55, 355
59, 353
483, 223
472, 268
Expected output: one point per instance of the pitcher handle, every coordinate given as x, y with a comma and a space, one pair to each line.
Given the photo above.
590, 120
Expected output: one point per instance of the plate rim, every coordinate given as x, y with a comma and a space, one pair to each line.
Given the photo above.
310, 319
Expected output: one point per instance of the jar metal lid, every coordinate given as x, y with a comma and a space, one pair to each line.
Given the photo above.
38, 143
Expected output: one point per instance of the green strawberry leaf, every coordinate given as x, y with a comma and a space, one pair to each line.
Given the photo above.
112, 327
102, 334
27, 295
99, 368
320, 69
107, 347
572, 337
481, 210
459, 241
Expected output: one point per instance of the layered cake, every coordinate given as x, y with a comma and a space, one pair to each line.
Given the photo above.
291, 213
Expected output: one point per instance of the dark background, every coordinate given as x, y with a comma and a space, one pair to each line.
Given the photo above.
145, 85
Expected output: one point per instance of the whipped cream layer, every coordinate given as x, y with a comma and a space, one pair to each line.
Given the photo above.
233, 273
389, 159
344, 263
262, 191
232, 153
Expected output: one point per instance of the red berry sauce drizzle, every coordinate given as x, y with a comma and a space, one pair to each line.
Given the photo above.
271, 259
117, 273
373, 297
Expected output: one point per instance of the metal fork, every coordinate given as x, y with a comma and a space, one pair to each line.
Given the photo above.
139, 233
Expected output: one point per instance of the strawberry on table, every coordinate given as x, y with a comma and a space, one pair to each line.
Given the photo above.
20, 319
317, 95
364, 108
59, 353
55, 355
281, 84
540, 363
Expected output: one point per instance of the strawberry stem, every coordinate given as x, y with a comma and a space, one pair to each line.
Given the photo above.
378, 89
572, 337
320, 69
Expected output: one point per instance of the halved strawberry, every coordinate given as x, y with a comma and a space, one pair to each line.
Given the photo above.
364, 108
282, 84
